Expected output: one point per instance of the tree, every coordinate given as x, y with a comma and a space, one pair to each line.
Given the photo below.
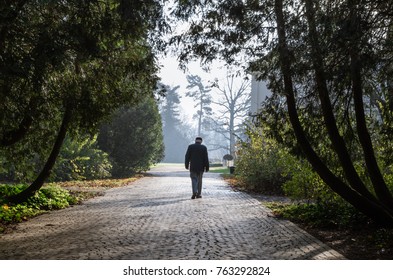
133, 138
355, 191
234, 104
202, 98
65, 66
325, 60
175, 139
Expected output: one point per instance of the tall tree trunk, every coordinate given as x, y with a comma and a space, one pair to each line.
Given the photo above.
40, 180
200, 118
338, 142
374, 172
232, 133
368, 207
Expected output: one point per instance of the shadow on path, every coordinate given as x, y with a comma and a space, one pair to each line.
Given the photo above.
154, 218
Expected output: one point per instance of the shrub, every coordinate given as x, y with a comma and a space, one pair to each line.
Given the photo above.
266, 166
320, 215
303, 183
261, 163
49, 197
81, 159
389, 176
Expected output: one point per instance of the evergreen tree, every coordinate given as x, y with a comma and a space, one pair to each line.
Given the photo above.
201, 95
175, 139
133, 139
65, 66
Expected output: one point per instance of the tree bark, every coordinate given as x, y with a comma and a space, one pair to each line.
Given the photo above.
40, 180
200, 118
374, 172
338, 142
366, 206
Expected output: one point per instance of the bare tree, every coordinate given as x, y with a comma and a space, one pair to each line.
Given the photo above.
234, 105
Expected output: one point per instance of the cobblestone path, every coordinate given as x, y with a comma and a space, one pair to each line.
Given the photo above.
154, 218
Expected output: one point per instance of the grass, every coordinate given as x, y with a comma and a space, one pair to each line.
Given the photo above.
214, 167
167, 164
219, 169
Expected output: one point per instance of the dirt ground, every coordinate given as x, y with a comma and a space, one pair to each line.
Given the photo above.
355, 244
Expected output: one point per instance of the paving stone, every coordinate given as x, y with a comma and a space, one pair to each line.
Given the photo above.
154, 218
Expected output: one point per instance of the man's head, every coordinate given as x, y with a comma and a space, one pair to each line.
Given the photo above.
198, 139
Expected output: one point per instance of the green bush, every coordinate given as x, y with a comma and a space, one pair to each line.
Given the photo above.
260, 164
304, 183
388, 174
8, 189
81, 159
319, 215
265, 166
50, 197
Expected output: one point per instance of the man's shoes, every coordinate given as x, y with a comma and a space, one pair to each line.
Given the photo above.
199, 196
193, 196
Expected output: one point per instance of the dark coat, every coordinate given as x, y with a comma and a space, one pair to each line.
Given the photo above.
197, 158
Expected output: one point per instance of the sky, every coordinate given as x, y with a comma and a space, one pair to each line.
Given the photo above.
172, 76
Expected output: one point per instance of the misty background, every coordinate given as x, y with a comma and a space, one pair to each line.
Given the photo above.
212, 103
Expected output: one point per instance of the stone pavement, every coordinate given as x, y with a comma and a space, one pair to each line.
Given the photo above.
154, 218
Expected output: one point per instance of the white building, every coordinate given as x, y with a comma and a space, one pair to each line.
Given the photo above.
259, 92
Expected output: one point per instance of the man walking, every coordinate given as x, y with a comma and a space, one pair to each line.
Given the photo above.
197, 161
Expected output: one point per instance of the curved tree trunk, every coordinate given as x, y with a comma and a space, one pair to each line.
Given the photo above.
338, 142
379, 184
375, 174
40, 180
363, 204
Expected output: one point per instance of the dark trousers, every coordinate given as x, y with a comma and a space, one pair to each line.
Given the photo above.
196, 181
